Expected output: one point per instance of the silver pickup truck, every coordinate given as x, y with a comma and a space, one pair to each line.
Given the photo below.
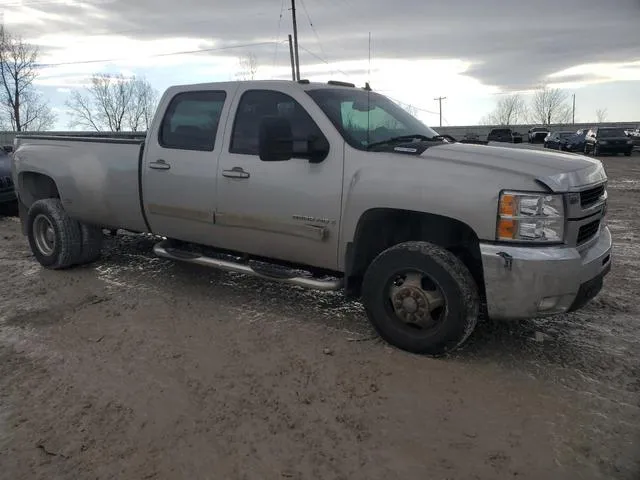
329, 186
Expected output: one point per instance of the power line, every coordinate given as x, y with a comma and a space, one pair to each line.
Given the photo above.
275, 54
412, 106
324, 54
169, 54
323, 60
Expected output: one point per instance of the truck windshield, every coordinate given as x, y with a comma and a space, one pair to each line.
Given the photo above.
364, 118
611, 132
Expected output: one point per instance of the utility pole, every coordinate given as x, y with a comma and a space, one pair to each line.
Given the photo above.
573, 115
295, 38
293, 62
439, 100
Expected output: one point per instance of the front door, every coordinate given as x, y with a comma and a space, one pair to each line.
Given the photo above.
179, 171
287, 210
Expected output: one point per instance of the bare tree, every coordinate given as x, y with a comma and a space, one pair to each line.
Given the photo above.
549, 106
247, 67
113, 103
601, 115
21, 105
145, 100
510, 110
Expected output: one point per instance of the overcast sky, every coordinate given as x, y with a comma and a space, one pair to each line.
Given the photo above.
470, 51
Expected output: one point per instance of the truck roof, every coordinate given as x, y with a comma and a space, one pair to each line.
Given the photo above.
281, 84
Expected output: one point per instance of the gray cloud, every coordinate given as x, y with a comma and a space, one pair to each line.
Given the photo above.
512, 44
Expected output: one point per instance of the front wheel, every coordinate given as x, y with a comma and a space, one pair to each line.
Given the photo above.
421, 298
55, 239
627, 154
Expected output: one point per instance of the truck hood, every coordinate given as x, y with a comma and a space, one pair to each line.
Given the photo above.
559, 171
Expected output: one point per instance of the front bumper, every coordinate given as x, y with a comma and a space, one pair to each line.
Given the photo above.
623, 148
527, 282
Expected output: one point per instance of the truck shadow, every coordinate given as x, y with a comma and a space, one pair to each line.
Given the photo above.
9, 209
591, 343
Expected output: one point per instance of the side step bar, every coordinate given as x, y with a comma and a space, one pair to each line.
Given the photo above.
165, 250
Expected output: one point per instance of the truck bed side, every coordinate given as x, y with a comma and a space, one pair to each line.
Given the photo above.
97, 178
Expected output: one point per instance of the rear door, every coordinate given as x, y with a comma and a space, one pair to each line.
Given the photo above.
180, 164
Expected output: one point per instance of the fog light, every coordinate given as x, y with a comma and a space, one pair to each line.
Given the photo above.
548, 303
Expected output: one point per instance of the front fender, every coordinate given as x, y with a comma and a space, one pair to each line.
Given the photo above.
466, 193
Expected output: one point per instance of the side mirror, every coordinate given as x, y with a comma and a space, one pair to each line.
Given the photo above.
275, 139
318, 149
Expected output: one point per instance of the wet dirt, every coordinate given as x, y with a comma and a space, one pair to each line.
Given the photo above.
138, 368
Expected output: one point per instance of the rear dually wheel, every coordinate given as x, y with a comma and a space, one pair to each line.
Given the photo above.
55, 239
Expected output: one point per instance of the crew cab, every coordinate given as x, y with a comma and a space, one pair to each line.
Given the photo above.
329, 186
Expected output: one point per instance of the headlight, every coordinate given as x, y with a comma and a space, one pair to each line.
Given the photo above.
530, 217
602, 142
629, 142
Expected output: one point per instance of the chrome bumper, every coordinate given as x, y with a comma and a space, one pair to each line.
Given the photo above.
526, 282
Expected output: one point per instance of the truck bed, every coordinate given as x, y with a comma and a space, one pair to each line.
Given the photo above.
97, 176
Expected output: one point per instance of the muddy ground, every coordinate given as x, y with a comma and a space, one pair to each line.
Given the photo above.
139, 368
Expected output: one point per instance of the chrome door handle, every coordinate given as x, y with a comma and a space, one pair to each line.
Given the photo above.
159, 164
235, 172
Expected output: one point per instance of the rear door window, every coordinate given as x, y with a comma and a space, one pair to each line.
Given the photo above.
191, 121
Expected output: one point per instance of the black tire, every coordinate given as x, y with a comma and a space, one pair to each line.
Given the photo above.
627, 154
461, 308
92, 239
65, 233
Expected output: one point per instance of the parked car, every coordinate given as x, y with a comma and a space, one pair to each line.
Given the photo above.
634, 135
613, 140
500, 135
575, 143
330, 187
471, 137
7, 190
516, 137
557, 140
537, 134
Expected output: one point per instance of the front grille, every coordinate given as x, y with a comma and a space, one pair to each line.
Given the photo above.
591, 196
5, 183
587, 231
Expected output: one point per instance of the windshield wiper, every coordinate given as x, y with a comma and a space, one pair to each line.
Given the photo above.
405, 138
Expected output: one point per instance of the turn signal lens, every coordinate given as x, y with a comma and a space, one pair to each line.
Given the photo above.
507, 205
506, 229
